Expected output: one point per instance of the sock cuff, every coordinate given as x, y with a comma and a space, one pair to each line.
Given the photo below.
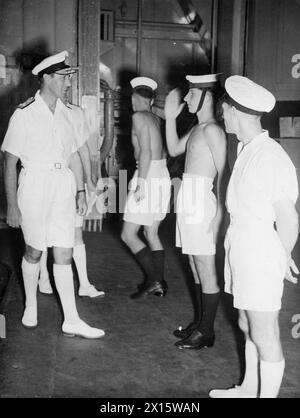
79, 246
143, 252
26, 264
270, 364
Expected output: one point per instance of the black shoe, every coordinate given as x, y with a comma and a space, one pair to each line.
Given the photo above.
150, 288
183, 333
196, 341
163, 283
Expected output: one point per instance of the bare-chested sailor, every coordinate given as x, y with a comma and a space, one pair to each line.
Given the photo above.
149, 190
199, 212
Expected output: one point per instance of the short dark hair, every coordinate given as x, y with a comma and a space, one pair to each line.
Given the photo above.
144, 92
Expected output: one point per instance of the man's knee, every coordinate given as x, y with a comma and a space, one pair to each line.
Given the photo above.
62, 256
243, 325
129, 235
151, 234
263, 337
32, 255
78, 236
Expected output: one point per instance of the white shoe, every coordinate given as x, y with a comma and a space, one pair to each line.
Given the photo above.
90, 291
234, 393
29, 319
81, 329
45, 287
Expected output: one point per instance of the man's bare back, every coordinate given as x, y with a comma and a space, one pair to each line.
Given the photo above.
147, 121
199, 159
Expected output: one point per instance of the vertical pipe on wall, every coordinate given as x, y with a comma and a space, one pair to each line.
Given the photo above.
214, 30
139, 37
238, 38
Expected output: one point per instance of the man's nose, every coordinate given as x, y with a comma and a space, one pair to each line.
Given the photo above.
67, 82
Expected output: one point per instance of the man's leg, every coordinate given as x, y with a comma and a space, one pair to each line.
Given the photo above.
44, 280
79, 257
63, 275
144, 256
157, 249
265, 333
197, 299
30, 270
249, 387
204, 336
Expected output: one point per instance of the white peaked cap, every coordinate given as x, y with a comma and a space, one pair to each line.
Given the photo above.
52, 64
203, 81
248, 96
143, 82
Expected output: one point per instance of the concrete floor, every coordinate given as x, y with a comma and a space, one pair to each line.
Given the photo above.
137, 357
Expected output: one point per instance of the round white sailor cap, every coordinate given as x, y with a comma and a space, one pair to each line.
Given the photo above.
54, 64
202, 81
248, 97
143, 82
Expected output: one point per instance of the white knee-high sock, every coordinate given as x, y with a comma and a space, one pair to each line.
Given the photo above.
271, 375
250, 382
44, 275
79, 256
63, 276
30, 276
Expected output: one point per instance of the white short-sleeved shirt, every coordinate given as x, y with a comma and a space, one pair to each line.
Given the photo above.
255, 259
35, 134
79, 123
263, 174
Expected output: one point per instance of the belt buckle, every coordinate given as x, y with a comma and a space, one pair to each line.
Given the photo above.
57, 166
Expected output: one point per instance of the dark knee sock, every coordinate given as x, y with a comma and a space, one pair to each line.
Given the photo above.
197, 303
145, 259
159, 262
210, 305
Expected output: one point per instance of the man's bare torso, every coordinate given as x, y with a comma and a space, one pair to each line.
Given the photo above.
153, 125
199, 159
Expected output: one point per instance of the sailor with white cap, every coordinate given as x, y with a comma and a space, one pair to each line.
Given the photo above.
262, 192
42, 136
149, 190
199, 211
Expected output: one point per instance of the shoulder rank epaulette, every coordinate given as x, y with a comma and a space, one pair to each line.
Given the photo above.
72, 106
26, 103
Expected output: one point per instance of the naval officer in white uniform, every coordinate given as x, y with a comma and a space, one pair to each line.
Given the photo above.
41, 135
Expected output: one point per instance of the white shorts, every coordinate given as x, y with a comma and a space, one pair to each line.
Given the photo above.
155, 205
196, 207
255, 266
46, 199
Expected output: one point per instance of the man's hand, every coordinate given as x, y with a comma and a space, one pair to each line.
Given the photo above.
91, 186
173, 105
216, 223
81, 204
139, 193
291, 267
13, 216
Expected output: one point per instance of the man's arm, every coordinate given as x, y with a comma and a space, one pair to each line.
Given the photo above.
86, 164
287, 224
76, 167
106, 147
216, 141
173, 108
10, 181
141, 131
